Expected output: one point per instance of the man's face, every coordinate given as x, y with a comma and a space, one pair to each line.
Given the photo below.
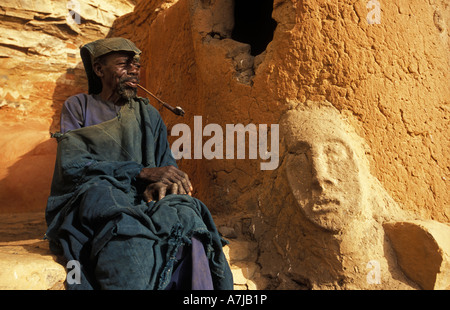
121, 74
323, 172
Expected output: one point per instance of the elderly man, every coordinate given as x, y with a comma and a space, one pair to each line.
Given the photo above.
119, 205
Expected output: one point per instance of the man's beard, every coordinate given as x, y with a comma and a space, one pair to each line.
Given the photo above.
126, 92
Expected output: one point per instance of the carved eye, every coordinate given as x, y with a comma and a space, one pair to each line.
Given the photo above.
299, 169
300, 147
336, 151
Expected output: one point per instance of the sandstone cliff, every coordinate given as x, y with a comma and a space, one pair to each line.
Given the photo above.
40, 68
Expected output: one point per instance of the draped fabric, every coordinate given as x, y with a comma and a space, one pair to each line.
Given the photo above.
96, 202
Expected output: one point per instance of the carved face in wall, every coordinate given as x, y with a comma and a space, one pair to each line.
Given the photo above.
322, 167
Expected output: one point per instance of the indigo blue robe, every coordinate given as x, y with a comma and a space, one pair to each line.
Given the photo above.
95, 199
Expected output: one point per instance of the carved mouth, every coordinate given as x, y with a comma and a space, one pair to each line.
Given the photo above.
326, 205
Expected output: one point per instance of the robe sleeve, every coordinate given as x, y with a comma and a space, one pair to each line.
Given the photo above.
72, 113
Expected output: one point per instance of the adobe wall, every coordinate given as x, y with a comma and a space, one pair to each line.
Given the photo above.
387, 73
383, 68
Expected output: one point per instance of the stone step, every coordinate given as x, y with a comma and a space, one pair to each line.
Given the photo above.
26, 262
29, 265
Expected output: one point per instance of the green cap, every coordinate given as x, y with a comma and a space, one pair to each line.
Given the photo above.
98, 48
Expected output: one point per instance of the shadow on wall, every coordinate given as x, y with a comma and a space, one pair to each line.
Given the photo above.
26, 184
253, 24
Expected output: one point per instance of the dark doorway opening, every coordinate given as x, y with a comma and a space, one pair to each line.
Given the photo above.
253, 24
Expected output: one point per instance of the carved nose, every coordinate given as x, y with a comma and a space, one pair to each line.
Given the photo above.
321, 176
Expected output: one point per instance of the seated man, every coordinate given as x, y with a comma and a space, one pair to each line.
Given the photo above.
118, 203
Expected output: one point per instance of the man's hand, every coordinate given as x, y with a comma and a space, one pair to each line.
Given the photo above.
157, 191
175, 181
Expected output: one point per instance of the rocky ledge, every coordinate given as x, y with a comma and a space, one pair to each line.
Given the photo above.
26, 262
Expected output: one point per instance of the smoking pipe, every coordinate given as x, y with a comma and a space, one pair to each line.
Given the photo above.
177, 110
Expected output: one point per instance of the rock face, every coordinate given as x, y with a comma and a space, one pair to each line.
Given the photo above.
40, 68
29, 266
423, 251
376, 70
25, 259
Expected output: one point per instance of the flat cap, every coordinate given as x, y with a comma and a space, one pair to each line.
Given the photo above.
90, 51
